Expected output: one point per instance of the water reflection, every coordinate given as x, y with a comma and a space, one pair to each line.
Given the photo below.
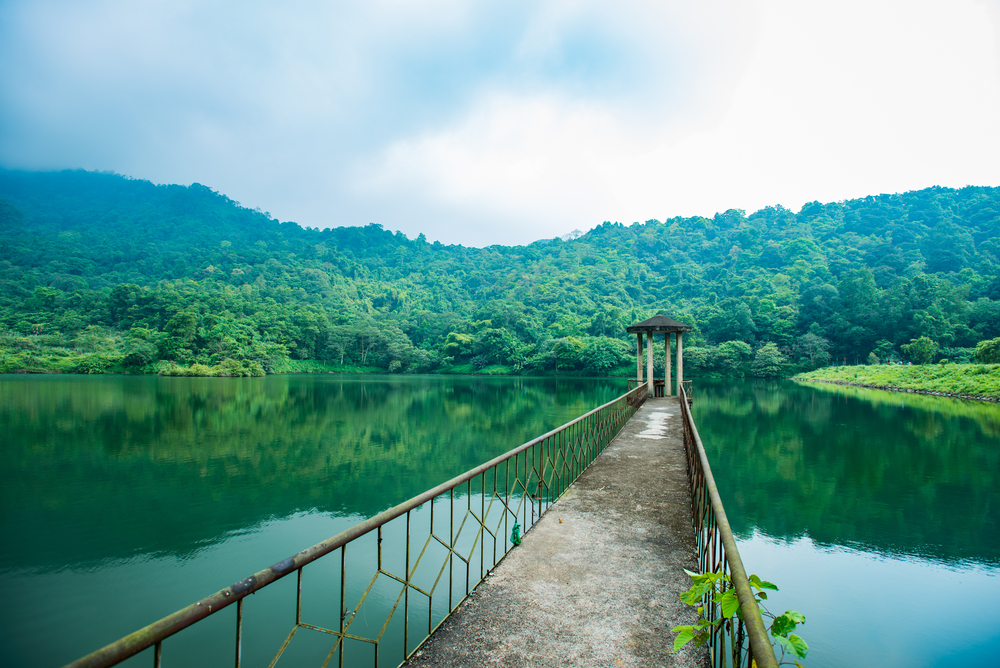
117, 466
124, 499
875, 512
881, 471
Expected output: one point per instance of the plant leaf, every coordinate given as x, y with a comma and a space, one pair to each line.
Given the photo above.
762, 584
697, 591
685, 636
730, 604
795, 645
703, 578
784, 642
802, 648
786, 622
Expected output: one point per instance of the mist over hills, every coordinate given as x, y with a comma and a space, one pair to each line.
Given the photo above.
100, 272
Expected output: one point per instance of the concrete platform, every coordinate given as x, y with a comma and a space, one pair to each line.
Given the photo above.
596, 581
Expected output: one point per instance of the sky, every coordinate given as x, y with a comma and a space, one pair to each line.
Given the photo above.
480, 122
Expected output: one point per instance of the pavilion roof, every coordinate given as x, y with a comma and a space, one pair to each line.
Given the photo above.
659, 323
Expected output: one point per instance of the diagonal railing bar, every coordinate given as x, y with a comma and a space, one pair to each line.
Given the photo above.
392, 612
717, 552
518, 486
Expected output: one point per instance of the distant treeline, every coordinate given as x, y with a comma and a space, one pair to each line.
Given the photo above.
99, 272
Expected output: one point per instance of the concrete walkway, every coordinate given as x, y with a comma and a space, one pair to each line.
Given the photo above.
596, 581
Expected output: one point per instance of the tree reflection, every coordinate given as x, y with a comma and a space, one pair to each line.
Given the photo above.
890, 472
111, 466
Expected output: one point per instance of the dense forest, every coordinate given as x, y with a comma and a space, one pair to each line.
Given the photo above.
100, 272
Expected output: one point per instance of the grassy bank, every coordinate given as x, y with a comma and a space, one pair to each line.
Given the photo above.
964, 380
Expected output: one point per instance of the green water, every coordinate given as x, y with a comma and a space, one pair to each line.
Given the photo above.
123, 499
877, 513
126, 498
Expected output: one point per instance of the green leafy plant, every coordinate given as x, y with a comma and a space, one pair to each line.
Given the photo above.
719, 589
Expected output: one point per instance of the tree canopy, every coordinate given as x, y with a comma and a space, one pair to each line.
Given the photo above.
102, 271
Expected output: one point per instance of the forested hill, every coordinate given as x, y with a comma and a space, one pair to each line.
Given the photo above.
100, 272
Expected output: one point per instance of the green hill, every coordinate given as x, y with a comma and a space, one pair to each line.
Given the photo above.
100, 272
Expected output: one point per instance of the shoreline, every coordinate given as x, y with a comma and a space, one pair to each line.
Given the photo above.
907, 390
306, 372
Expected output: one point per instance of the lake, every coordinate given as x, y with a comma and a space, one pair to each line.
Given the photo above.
125, 498
877, 513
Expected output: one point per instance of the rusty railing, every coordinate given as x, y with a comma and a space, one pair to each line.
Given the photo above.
717, 553
390, 581
688, 391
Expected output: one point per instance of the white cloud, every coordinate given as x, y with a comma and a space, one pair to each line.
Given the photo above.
503, 123
836, 102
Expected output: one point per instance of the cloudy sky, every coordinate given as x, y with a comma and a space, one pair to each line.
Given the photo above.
481, 122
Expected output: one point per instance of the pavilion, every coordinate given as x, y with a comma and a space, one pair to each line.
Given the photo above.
656, 325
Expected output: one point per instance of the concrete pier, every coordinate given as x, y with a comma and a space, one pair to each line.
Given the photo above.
596, 581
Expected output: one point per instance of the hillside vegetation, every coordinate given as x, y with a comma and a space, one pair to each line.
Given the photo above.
100, 272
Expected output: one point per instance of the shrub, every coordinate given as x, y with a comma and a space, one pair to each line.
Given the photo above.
92, 363
920, 350
988, 352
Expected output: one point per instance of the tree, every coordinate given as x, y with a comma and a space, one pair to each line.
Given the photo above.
368, 337
567, 352
699, 358
921, 350
769, 362
457, 345
496, 344
183, 326
602, 354
338, 341
607, 321
139, 351
884, 352
733, 357
859, 277
732, 320
988, 352
123, 297
816, 348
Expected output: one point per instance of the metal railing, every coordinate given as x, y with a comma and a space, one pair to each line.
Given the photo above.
717, 553
642, 382
688, 391
633, 382
441, 544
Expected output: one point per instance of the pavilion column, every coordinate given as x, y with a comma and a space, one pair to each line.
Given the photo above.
638, 359
649, 363
680, 362
666, 356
